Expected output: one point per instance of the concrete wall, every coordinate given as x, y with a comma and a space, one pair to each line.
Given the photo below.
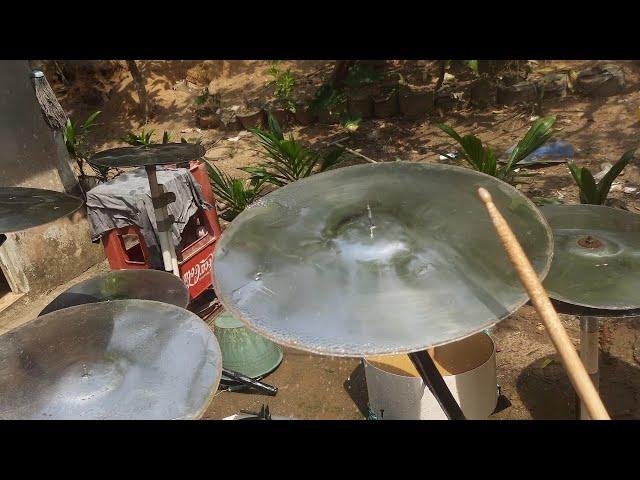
33, 155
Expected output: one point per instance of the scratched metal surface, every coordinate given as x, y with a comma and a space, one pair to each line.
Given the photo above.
377, 259
156, 154
125, 359
22, 208
607, 274
124, 285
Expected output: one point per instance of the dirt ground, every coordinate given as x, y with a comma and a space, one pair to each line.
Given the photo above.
314, 387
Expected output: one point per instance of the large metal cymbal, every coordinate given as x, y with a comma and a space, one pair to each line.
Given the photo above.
22, 208
596, 262
124, 285
155, 154
376, 259
126, 359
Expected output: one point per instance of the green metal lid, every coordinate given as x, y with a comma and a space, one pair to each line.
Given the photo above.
226, 320
243, 350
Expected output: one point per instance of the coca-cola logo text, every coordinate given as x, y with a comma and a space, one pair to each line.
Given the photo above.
198, 271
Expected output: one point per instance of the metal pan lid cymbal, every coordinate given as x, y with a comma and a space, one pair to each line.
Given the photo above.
124, 285
22, 208
596, 262
570, 309
376, 259
126, 359
155, 154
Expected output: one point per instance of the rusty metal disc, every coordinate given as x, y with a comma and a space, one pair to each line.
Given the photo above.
155, 154
22, 208
124, 285
596, 260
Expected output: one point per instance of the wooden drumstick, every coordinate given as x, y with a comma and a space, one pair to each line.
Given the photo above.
570, 359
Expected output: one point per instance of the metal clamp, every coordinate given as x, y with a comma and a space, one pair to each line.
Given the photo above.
164, 200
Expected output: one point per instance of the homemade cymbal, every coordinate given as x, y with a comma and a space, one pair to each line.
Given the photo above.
569, 309
154, 154
326, 263
126, 359
22, 208
596, 262
124, 285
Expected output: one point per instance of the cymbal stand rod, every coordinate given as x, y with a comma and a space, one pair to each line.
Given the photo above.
162, 217
250, 382
589, 344
436, 384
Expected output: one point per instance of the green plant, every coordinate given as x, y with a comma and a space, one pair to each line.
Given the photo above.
101, 171
359, 75
210, 101
283, 82
483, 159
144, 139
326, 98
351, 124
235, 192
287, 160
74, 135
596, 193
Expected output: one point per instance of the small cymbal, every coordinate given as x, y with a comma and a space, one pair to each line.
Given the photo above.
596, 260
125, 359
22, 208
569, 309
376, 259
124, 285
155, 154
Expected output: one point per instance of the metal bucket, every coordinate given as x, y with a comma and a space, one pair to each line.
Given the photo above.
396, 391
244, 351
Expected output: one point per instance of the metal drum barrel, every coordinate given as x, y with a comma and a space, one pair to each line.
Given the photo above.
468, 366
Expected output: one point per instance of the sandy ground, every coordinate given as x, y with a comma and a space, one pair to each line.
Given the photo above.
314, 387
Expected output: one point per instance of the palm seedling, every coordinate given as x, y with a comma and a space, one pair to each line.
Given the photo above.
596, 193
74, 133
233, 191
74, 140
142, 139
483, 159
287, 160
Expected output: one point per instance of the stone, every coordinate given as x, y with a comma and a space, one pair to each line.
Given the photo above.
483, 92
554, 85
600, 81
520, 92
415, 101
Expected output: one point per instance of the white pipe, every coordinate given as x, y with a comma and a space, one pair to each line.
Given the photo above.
164, 237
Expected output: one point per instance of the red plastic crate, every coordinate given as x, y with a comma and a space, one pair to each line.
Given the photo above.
195, 261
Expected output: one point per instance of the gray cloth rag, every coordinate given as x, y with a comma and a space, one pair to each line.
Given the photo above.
126, 201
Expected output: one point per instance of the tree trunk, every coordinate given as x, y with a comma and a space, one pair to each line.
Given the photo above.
340, 73
442, 66
138, 81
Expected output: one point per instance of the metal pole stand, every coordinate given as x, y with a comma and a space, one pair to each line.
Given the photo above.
589, 345
433, 379
160, 200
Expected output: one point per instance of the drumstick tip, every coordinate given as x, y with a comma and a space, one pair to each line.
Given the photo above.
485, 196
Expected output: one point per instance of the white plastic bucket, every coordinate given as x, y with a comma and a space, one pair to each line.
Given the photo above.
396, 391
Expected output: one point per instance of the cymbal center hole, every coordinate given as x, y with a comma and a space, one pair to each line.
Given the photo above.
590, 242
